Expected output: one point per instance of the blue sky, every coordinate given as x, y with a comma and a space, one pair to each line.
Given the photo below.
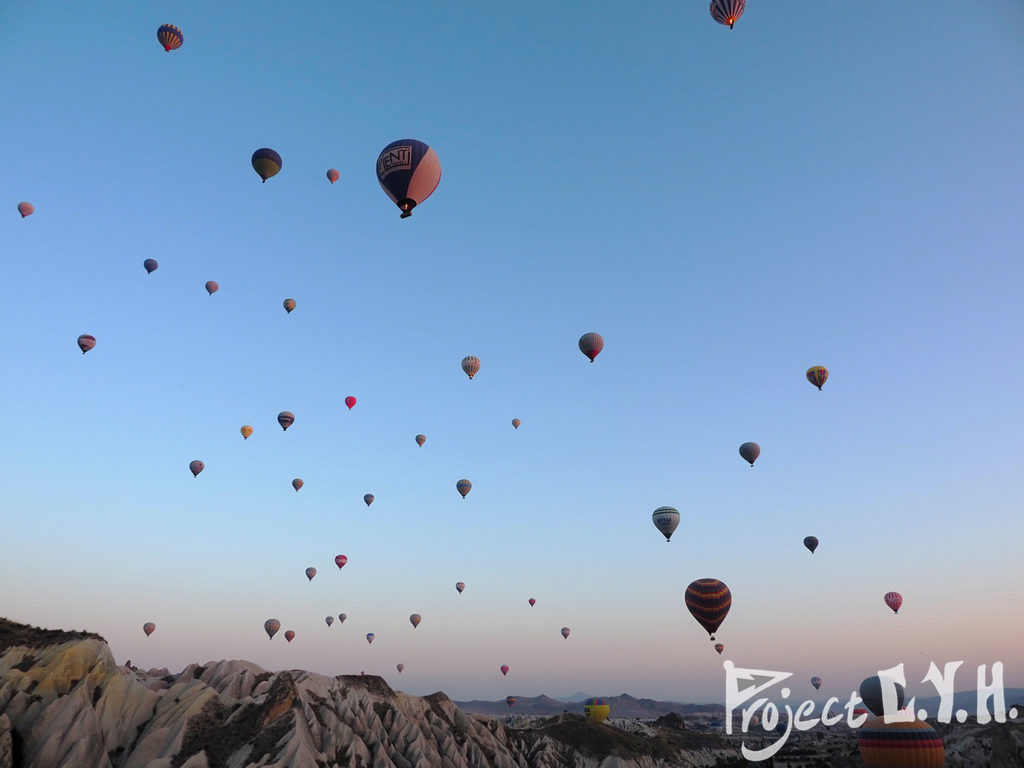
826, 183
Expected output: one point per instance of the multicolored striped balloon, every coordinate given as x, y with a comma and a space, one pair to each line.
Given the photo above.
596, 709
463, 487
894, 600
708, 601
817, 375
913, 744
727, 11
170, 37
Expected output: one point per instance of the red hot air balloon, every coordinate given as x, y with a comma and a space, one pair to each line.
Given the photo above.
504, 669
195, 467
212, 287
148, 628
333, 175
591, 345
708, 600
727, 11
463, 487
750, 452
471, 365
894, 600
86, 342
285, 419
350, 402
368, 499
170, 37
408, 171
340, 560
297, 483
532, 601
26, 209
289, 635
510, 700
459, 586
150, 266
270, 626
420, 440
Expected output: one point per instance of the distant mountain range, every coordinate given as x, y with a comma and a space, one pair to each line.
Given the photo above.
623, 705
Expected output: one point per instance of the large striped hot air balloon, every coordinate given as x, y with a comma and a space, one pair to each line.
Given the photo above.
708, 600
285, 419
665, 520
817, 375
894, 600
913, 744
471, 365
596, 709
170, 37
408, 171
727, 11
266, 162
463, 487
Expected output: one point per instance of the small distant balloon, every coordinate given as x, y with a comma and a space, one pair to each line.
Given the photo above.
894, 600
170, 37
727, 11
516, 423
400, 667
817, 375
811, 542
26, 209
591, 345
565, 632
289, 305
369, 637
310, 573
86, 342
289, 635
504, 669
719, 647
340, 560
342, 617
195, 467
150, 266
408, 171
510, 700
666, 520
471, 365
459, 586
148, 628
297, 483
270, 626
266, 162
246, 432
285, 419
532, 601
333, 175
329, 620
350, 402
368, 499
464, 487
415, 620
420, 440
212, 287
816, 682
750, 452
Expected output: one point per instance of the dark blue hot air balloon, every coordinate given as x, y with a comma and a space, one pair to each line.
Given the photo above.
170, 37
408, 171
266, 162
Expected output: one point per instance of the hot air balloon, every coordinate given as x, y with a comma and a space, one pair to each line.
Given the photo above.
666, 519
719, 647
894, 600
350, 401
368, 499
148, 628
913, 744
510, 700
727, 11
591, 345
195, 467
340, 560
342, 617
170, 37
420, 440
504, 669
270, 626
817, 375
811, 542
266, 162
471, 365
463, 487
369, 637
532, 601
400, 667
516, 423
26, 209
708, 600
289, 635
750, 452
329, 620
86, 342
246, 432
310, 573
289, 305
596, 709
816, 682
565, 632
211, 287
871, 692
408, 171
297, 483
285, 419
415, 620
150, 266
332, 175
459, 586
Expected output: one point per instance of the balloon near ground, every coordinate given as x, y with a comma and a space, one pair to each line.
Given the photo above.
817, 375
596, 709
270, 626
285, 419
750, 452
408, 171
464, 487
150, 266
195, 467
26, 209
708, 601
266, 162
148, 628
471, 365
894, 600
913, 744
510, 700
86, 342
170, 37
591, 345
811, 542
666, 519
727, 11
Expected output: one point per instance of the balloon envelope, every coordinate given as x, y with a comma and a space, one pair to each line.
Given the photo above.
532, 601
246, 432
342, 617
150, 266
415, 620
750, 452
266, 162
400, 667
596, 709
871, 692
666, 519
297, 483
817, 375
894, 600
516, 423
289, 305
285, 419
816, 682
170, 37
329, 620
421, 439
333, 175
408, 171
212, 287
591, 345
26, 209
369, 637
913, 744
289, 635
811, 542
504, 669
86, 342
368, 499
270, 626
310, 573
471, 365
708, 601
719, 647
148, 628
464, 487
459, 586
340, 560
350, 401
727, 11
565, 632
510, 700
195, 467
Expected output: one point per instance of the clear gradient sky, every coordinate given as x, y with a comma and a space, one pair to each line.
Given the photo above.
833, 183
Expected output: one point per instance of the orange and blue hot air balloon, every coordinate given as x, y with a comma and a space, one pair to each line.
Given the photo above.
408, 171
913, 744
708, 601
727, 11
170, 37
817, 375
266, 162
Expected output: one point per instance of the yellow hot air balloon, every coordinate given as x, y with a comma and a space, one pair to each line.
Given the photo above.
596, 710
246, 432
